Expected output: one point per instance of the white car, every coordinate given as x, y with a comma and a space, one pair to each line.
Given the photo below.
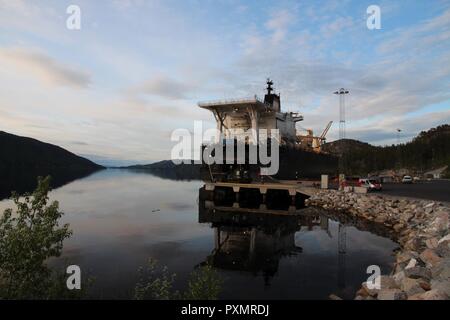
371, 184
407, 179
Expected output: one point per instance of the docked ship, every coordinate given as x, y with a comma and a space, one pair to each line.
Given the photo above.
300, 154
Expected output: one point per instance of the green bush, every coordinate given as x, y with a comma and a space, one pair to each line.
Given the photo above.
204, 284
29, 236
156, 283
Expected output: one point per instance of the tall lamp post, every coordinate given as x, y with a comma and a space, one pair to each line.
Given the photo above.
399, 155
341, 92
342, 232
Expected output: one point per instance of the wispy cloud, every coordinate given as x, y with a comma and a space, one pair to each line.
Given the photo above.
143, 65
44, 68
166, 87
341, 24
278, 24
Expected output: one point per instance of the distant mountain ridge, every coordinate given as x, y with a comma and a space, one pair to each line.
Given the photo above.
169, 170
23, 159
339, 147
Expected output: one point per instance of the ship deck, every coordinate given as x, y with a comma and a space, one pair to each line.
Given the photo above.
234, 104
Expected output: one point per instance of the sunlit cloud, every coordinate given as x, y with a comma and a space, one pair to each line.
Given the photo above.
135, 72
44, 68
165, 87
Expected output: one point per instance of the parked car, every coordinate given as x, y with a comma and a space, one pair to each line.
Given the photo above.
407, 179
351, 182
371, 184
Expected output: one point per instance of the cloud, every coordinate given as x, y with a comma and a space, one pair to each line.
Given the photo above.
153, 60
35, 18
80, 143
44, 68
384, 131
126, 4
391, 76
278, 24
441, 21
430, 34
338, 25
166, 87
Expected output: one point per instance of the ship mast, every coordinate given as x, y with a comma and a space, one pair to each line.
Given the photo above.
269, 86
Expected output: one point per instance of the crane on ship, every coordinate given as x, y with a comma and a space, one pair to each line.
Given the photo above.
314, 142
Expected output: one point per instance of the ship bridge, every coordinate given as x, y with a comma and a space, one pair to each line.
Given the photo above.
245, 114
253, 113
231, 105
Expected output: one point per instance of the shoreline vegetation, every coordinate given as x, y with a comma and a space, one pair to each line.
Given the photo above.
30, 234
156, 283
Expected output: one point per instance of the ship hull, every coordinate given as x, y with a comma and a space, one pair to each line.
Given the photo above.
294, 164
305, 164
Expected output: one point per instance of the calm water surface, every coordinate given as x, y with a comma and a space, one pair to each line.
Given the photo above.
120, 218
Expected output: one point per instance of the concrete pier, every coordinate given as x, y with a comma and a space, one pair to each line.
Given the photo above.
293, 187
292, 210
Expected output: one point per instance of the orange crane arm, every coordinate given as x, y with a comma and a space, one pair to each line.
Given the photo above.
324, 133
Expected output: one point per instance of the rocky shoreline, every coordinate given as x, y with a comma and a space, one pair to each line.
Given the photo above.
421, 227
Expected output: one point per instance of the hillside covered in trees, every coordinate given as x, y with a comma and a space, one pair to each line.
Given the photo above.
23, 159
429, 150
168, 170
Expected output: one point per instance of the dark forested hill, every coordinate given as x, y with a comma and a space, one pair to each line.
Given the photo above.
167, 169
430, 149
23, 159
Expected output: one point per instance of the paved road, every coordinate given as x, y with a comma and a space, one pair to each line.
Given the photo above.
438, 190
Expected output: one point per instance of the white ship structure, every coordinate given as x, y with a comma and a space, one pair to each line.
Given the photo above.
301, 155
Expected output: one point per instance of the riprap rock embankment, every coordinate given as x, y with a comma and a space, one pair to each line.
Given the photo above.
421, 227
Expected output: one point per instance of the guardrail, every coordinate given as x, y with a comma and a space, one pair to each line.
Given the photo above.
229, 101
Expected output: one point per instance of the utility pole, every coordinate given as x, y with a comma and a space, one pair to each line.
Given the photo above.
398, 135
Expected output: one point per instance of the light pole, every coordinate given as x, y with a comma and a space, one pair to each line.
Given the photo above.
342, 232
341, 92
398, 135
399, 155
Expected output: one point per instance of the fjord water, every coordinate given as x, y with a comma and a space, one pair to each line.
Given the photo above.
121, 218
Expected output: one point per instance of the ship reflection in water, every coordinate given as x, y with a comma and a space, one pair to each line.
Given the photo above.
255, 240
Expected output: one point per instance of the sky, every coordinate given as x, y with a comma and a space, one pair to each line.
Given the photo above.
114, 90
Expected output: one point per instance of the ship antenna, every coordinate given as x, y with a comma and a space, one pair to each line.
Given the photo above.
269, 86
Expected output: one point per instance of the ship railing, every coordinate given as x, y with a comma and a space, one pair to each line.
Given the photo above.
253, 99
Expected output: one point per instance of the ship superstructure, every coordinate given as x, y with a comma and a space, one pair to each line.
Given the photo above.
252, 113
300, 154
